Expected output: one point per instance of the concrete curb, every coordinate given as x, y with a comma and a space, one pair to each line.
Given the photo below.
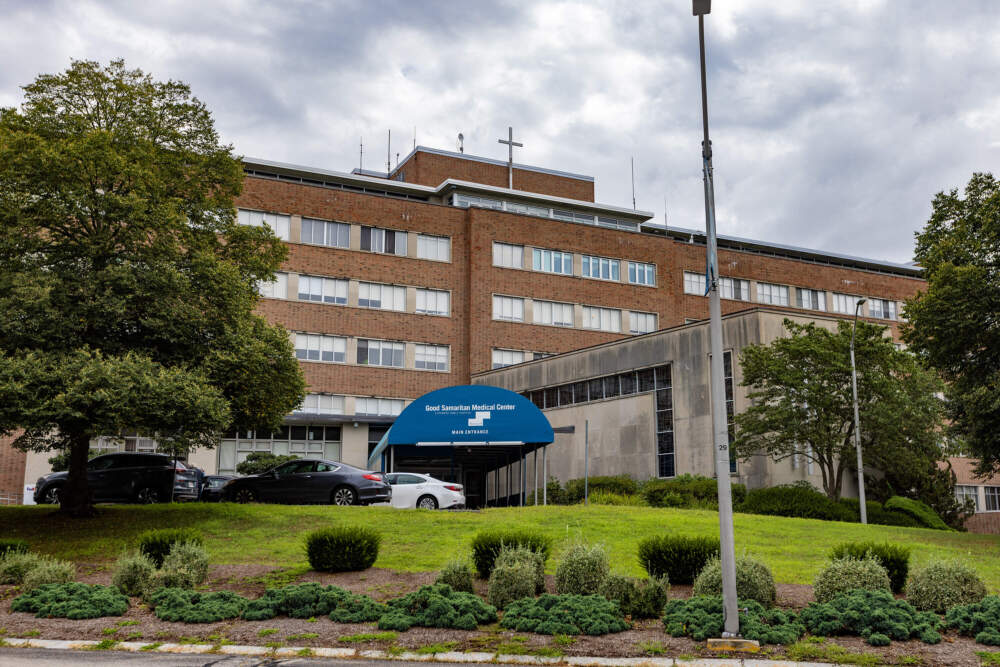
450, 656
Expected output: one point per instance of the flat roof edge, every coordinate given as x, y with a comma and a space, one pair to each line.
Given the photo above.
502, 163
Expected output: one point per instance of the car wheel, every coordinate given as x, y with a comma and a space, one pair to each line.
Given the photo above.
344, 495
51, 495
427, 503
245, 495
147, 495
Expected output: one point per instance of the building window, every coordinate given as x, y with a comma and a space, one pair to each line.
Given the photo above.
736, 289
554, 313
378, 407
602, 319
321, 232
431, 357
572, 216
508, 255
275, 289
502, 358
775, 295
434, 247
965, 492
380, 353
727, 366
664, 421
882, 309
641, 323
465, 201
383, 297
313, 347
845, 303
694, 283
385, 241
322, 404
526, 209
508, 308
641, 274
552, 261
433, 302
279, 224
812, 299
992, 498
601, 268
326, 290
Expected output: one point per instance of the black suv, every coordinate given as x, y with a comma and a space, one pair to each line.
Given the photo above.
127, 478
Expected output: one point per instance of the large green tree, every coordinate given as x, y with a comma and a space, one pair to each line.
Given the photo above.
801, 403
127, 289
955, 322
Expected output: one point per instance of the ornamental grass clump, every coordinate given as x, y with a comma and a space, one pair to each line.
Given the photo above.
895, 558
8, 546
157, 543
871, 615
565, 615
437, 606
132, 574
72, 600
15, 565
486, 546
679, 557
458, 575
178, 604
310, 600
753, 581
944, 584
342, 548
48, 571
848, 574
582, 570
701, 618
978, 619
637, 598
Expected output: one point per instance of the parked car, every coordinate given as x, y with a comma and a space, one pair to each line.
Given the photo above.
310, 481
127, 477
410, 489
211, 487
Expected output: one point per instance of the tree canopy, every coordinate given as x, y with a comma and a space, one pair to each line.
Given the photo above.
126, 285
801, 401
954, 324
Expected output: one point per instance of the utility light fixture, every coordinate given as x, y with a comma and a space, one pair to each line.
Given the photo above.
702, 7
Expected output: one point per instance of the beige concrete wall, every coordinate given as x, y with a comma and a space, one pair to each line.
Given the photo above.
206, 459
354, 445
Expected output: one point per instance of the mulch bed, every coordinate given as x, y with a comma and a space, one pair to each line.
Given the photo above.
646, 638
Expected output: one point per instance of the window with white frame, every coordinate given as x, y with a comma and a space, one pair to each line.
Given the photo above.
965, 492
378, 407
602, 319
315, 347
526, 209
882, 309
326, 290
640, 273
431, 357
383, 297
573, 216
274, 289
380, 353
323, 232
641, 323
322, 404
434, 247
694, 283
278, 223
465, 201
552, 261
845, 303
388, 241
992, 498
813, 299
433, 302
552, 312
601, 268
775, 295
508, 308
734, 288
503, 358
508, 255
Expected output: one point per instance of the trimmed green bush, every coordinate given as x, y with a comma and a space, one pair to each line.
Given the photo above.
795, 500
518, 554
565, 615
895, 558
49, 571
189, 560
310, 600
637, 598
753, 581
14, 566
458, 575
870, 614
878, 515
177, 604
13, 547
342, 548
157, 543
979, 619
486, 546
132, 574
72, 600
944, 584
847, 574
617, 499
678, 557
621, 484
927, 517
509, 582
582, 570
437, 606
688, 491
701, 618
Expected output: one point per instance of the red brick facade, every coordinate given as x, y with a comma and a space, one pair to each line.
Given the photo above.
12, 468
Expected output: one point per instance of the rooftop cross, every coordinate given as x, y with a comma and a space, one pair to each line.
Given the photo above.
510, 155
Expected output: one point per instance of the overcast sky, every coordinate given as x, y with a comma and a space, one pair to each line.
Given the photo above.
834, 121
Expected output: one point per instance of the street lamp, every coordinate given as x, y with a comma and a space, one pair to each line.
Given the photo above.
857, 421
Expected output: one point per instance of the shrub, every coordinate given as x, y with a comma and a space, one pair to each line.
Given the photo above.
869, 614
878, 515
157, 543
554, 495
342, 548
688, 491
13, 547
847, 574
978, 619
582, 570
310, 600
618, 499
701, 618
918, 510
72, 600
176, 604
437, 606
753, 581
637, 598
620, 484
512, 555
458, 575
48, 571
133, 574
565, 615
509, 582
486, 547
942, 585
795, 500
679, 557
189, 560
259, 462
14, 566
895, 558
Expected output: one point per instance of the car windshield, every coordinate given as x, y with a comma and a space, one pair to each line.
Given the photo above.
101, 462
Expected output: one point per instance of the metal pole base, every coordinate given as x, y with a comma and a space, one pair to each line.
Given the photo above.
730, 644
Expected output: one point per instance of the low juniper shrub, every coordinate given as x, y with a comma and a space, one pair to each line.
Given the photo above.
486, 547
157, 543
895, 558
178, 604
944, 584
637, 598
509, 582
565, 615
847, 574
582, 570
753, 581
310, 600
927, 517
678, 557
868, 613
437, 606
133, 573
458, 575
72, 600
342, 548
978, 619
8, 546
49, 571
701, 618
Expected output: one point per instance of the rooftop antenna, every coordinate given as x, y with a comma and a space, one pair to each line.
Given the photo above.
414, 137
388, 154
361, 155
461, 143
397, 159
632, 162
665, 211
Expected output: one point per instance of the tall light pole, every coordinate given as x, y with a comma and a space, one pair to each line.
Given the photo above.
720, 432
857, 420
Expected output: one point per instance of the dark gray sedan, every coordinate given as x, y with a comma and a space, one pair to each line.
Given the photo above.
305, 481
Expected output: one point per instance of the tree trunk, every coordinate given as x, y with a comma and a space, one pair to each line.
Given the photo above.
75, 499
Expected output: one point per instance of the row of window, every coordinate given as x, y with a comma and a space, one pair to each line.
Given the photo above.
370, 352
555, 313
328, 404
370, 295
511, 256
503, 358
991, 495
465, 201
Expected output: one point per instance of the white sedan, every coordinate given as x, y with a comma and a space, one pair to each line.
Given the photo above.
410, 489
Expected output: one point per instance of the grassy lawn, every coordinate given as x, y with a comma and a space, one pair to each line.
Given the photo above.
416, 540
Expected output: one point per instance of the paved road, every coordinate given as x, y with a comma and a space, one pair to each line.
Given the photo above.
39, 657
